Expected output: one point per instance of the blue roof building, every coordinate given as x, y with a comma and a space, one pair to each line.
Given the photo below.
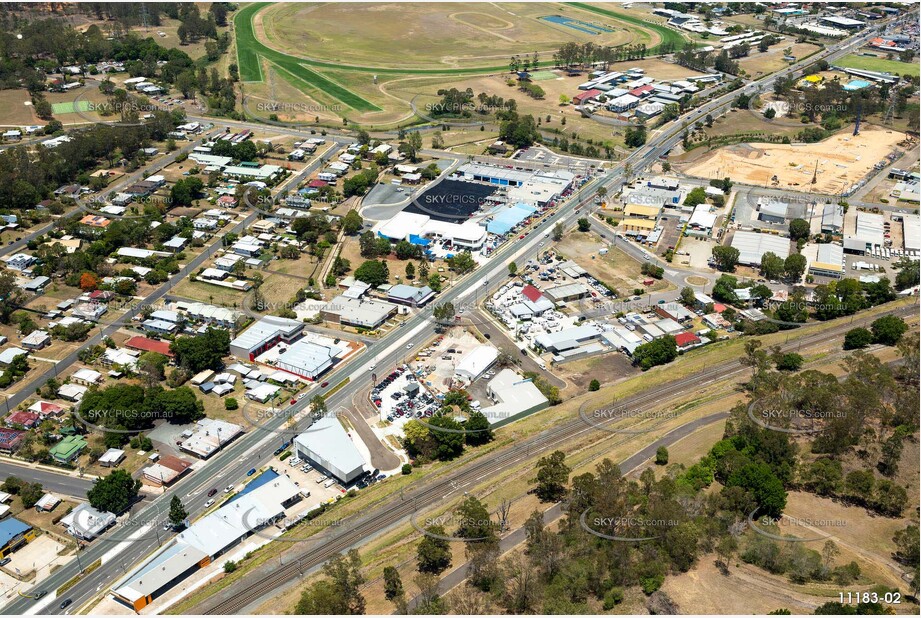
13, 533
505, 218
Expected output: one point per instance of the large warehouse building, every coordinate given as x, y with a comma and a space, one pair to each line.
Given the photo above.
467, 235
327, 445
307, 359
475, 362
263, 335
208, 538
514, 397
752, 246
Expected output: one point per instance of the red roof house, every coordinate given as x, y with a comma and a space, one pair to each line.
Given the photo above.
719, 307
21, 417
149, 345
317, 183
47, 408
686, 339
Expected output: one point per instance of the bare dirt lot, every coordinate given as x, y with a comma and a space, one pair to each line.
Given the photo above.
616, 268
842, 159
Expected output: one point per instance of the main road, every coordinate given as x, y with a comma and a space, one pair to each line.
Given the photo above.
255, 448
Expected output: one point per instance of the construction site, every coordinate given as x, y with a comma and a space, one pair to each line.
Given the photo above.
836, 165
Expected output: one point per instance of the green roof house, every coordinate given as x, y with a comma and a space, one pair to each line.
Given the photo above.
68, 449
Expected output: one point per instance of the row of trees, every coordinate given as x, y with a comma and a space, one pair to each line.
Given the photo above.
589, 54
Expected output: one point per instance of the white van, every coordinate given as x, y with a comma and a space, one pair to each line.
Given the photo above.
329, 483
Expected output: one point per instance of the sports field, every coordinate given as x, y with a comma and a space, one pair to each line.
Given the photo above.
874, 63
70, 107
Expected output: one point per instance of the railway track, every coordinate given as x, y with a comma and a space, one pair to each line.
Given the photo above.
363, 528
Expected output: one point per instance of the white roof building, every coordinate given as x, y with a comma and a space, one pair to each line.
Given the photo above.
514, 397
752, 246
475, 362
209, 436
327, 445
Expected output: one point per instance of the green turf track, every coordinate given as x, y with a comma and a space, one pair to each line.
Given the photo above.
249, 49
667, 34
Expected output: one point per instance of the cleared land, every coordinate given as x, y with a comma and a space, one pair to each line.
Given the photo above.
842, 159
875, 63
772, 60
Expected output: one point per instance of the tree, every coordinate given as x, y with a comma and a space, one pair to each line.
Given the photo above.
352, 222
888, 329
449, 443
790, 361
462, 262
410, 271
114, 493
799, 228
30, 494
477, 429
393, 588
204, 351
696, 196
178, 405
656, 352
661, 456
443, 312
687, 296
772, 265
340, 593
594, 385
177, 512
726, 258
552, 477
769, 113
909, 274
512, 269
373, 272
794, 266
634, 137
558, 232
583, 224
857, 338
433, 554
151, 366
89, 282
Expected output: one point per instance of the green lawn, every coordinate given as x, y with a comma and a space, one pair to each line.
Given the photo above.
871, 63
